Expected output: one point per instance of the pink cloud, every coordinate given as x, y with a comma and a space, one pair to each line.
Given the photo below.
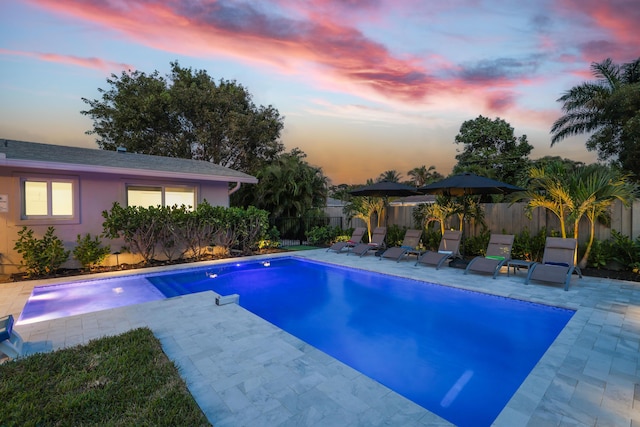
93, 63
312, 38
618, 20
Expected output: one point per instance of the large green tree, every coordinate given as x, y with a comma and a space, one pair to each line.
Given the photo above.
491, 149
185, 114
608, 109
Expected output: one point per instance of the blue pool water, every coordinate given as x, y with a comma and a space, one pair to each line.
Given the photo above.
457, 353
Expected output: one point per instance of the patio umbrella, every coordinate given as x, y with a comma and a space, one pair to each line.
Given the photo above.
385, 189
468, 184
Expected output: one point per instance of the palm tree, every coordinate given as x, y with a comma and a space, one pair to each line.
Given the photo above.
422, 175
365, 207
608, 107
289, 187
547, 189
443, 208
595, 188
390, 175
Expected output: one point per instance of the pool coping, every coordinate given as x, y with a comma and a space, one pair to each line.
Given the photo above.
589, 375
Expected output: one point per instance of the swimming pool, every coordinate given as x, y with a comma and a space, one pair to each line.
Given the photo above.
459, 354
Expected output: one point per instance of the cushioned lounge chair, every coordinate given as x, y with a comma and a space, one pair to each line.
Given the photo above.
409, 245
449, 248
377, 242
497, 255
10, 340
558, 262
356, 237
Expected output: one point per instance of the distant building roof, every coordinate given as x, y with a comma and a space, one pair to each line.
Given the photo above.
413, 200
65, 158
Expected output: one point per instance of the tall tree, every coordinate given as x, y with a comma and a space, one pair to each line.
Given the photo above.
491, 149
288, 187
185, 114
390, 175
422, 175
609, 109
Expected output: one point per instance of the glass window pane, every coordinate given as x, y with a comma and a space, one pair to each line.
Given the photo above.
144, 196
35, 198
61, 198
179, 196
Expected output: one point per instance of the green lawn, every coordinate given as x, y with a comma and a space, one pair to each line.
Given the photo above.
299, 248
114, 381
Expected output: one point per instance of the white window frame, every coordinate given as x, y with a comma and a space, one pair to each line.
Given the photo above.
163, 189
49, 217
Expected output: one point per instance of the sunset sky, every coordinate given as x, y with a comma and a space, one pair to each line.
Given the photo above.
364, 85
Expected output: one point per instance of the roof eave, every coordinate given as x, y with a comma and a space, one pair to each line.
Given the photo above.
72, 167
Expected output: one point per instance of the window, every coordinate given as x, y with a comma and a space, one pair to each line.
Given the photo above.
145, 196
48, 198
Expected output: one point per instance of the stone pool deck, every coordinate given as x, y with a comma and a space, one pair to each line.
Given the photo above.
244, 371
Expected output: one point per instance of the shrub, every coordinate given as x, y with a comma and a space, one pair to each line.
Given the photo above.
139, 227
395, 235
431, 239
323, 235
90, 252
602, 253
271, 240
40, 257
625, 250
476, 245
527, 247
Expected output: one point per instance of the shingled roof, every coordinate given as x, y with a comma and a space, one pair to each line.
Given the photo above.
64, 158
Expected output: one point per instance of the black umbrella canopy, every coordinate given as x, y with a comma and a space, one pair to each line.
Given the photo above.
385, 189
467, 184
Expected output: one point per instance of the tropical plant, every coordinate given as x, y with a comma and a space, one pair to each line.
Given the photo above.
365, 208
422, 175
287, 187
609, 109
443, 208
587, 191
594, 189
40, 257
89, 251
547, 189
390, 175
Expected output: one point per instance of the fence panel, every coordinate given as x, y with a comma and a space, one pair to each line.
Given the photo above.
503, 217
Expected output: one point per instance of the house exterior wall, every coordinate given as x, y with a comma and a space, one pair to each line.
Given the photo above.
96, 193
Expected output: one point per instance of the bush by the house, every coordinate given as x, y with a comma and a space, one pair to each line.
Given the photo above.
177, 231
40, 257
89, 251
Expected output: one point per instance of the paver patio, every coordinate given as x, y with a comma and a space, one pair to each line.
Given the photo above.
243, 370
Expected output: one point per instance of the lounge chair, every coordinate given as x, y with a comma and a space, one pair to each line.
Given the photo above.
449, 248
10, 340
497, 255
558, 262
356, 237
377, 242
409, 244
